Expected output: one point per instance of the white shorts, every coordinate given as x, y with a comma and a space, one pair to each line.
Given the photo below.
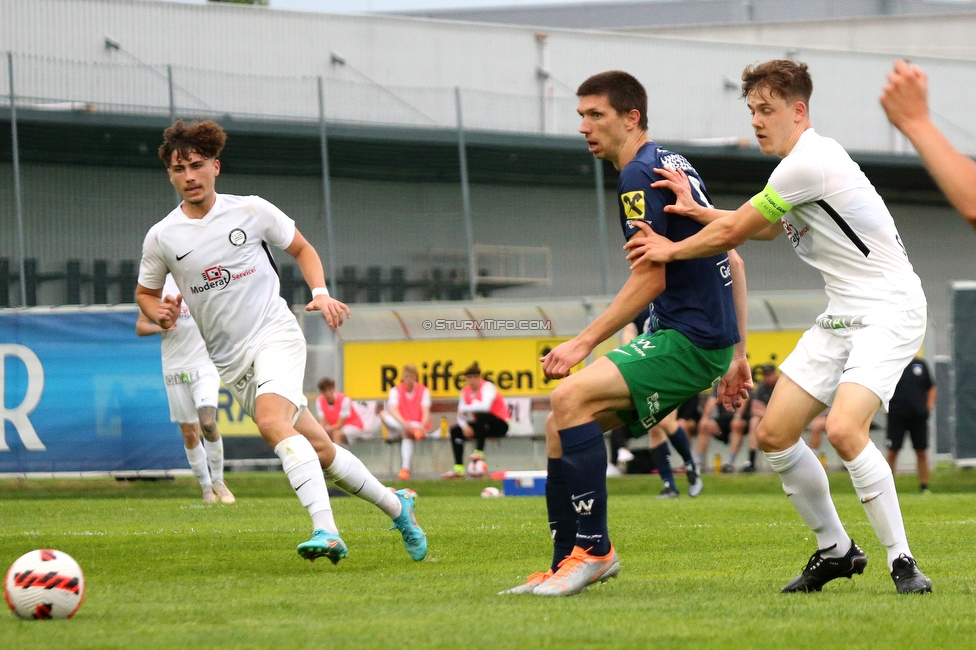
278, 368
191, 390
354, 432
870, 351
395, 431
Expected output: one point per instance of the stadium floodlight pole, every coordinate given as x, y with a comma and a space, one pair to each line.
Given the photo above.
465, 196
327, 192
601, 218
18, 202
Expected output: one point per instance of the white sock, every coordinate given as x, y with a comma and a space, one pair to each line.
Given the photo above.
301, 465
351, 475
392, 424
198, 463
875, 486
805, 483
215, 458
406, 452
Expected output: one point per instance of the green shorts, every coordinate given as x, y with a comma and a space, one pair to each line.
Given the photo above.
663, 370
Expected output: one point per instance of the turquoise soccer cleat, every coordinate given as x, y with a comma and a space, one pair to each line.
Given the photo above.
413, 537
323, 544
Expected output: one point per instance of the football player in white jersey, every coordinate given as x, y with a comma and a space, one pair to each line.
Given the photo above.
905, 101
853, 356
192, 386
216, 247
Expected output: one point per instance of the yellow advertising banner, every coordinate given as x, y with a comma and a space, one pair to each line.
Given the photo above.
770, 347
371, 369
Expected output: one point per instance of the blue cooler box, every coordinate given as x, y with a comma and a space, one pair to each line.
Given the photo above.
524, 484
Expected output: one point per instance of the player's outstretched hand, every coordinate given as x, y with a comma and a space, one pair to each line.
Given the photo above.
677, 181
734, 387
168, 311
905, 96
561, 359
331, 309
647, 247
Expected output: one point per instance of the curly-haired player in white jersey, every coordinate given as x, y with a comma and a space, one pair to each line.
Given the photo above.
216, 247
192, 387
854, 355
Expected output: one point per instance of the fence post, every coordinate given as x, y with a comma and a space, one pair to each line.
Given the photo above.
172, 97
18, 204
327, 192
466, 197
601, 216
72, 290
4, 282
172, 113
348, 285
31, 282
398, 284
100, 282
127, 278
374, 284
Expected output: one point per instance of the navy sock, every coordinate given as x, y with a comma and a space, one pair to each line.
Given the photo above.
752, 457
585, 467
661, 458
562, 516
679, 440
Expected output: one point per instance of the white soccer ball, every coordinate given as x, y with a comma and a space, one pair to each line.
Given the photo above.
490, 492
477, 468
44, 584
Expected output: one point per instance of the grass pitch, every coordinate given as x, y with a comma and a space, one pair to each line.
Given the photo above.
164, 571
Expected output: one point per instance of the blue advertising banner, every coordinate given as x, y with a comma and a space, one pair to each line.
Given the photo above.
81, 392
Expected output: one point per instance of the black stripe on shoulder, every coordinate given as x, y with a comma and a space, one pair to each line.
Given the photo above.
267, 250
843, 225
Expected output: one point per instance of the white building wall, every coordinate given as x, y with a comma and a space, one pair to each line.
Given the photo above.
946, 36
255, 61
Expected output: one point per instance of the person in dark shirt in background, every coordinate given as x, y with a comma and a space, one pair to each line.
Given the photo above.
908, 412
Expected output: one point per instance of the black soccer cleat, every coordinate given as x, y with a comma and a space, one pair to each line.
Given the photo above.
908, 579
669, 492
820, 570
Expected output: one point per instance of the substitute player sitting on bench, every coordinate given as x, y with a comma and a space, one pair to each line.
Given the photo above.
336, 414
407, 416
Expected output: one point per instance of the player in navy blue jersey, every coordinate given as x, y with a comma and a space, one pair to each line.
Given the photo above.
695, 341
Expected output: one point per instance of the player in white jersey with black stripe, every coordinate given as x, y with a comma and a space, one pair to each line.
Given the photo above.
192, 387
216, 247
854, 355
